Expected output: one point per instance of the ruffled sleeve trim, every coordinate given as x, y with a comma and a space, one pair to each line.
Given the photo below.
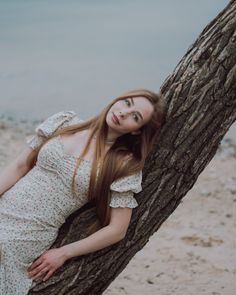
131, 182
50, 125
125, 199
123, 189
54, 122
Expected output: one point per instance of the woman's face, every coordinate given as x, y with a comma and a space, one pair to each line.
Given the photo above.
132, 113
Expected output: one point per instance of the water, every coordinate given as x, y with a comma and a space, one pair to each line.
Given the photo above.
78, 55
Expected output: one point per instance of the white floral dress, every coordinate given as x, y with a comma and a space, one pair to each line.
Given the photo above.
32, 210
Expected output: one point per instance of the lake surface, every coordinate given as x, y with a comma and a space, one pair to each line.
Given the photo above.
78, 55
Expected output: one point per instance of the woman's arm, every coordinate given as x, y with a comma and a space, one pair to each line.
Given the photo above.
14, 171
48, 262
106, 236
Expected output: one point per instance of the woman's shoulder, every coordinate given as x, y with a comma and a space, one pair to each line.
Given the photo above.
57, 121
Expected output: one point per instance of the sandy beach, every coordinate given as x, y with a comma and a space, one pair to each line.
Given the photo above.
194, 250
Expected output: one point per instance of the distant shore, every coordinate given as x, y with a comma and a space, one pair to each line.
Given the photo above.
23, 124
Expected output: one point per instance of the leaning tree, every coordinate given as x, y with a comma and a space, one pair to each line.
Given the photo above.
201, 107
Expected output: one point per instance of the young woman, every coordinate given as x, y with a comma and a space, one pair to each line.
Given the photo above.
69, 162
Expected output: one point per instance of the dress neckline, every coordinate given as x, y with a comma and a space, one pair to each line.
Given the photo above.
68, 155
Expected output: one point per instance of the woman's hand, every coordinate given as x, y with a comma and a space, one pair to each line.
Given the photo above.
45, 265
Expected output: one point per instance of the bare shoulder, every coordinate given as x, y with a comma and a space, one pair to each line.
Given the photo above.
77, 136
82, 134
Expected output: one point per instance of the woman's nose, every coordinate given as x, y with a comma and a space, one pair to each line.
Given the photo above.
123, 114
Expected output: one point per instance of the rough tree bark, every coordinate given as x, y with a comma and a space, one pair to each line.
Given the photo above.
201, 100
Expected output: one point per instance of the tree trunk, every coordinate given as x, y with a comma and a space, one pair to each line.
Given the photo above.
201, 100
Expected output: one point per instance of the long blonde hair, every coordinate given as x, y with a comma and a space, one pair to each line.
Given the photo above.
133, 148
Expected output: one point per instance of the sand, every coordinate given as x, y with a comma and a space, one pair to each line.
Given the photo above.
194, 250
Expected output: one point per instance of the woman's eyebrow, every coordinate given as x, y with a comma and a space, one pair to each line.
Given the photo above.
140, 115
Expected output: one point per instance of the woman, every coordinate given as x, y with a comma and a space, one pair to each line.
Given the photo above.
60, 171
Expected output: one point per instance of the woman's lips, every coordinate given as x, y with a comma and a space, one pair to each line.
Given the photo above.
115, 119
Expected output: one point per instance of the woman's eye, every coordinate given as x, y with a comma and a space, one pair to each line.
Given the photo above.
126, 100
135, 116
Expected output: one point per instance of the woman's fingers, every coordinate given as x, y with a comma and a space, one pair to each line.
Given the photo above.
35, 263
46, 264
48, 275
41, 273
38, 269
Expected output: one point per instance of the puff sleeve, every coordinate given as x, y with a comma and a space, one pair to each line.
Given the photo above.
50, 125
123, 189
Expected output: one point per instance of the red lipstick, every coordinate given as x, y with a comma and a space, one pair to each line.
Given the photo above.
115, 119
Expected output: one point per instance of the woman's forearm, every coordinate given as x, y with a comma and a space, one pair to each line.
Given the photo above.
102, 238
9, 176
